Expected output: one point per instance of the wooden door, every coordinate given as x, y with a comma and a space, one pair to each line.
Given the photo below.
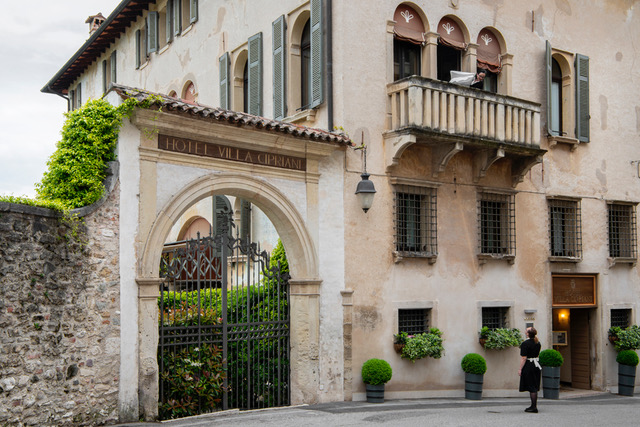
580, 349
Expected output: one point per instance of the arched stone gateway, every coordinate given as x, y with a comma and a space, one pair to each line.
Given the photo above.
174, 158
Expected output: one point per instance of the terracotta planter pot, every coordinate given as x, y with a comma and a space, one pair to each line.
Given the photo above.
482, 341
398, 347
613, 339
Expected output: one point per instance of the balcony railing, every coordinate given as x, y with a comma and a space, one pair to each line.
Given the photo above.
462, 112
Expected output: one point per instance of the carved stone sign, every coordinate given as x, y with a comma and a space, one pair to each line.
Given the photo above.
217, 151
574, 291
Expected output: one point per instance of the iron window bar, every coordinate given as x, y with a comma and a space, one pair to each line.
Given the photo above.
494, 317
415, 221
565, 229
622, 231
413, 321
496, 225
620, 317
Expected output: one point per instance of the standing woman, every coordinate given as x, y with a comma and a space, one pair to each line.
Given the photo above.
530, 368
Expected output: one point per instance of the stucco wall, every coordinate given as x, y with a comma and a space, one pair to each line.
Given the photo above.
59, 317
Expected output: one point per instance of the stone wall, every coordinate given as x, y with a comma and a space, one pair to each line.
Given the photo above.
59, 318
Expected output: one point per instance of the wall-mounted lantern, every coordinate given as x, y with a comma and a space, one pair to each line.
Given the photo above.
365, 189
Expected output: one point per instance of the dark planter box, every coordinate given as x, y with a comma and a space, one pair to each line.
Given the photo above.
375, 393
626, 379
473, 386
551, 382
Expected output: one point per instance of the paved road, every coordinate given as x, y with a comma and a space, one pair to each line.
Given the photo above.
601, 410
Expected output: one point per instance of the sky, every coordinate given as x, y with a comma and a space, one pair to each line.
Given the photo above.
35, 42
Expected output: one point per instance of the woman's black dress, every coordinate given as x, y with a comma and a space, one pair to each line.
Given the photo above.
530, 376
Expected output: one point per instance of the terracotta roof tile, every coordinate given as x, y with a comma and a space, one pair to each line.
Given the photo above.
171, 104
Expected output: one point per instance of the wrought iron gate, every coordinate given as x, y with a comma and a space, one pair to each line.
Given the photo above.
224, 327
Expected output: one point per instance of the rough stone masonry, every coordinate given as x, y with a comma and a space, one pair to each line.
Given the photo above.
59, 318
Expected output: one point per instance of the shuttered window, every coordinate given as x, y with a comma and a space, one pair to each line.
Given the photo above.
193, 11
552, 108
317, 77
224, 81
114, 67
152, 32
169, 21
279, 71
138, 49
105, 82
177, 17
71, 100
79, 95
582, 98
255, 74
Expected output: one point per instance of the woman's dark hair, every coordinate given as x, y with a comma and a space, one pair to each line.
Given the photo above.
531, 333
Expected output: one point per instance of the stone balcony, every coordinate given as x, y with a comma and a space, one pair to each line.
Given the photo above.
451, 118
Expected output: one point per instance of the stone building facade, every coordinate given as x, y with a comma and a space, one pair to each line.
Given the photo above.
509, 203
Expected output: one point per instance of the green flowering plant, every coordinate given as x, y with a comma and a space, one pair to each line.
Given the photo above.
626, 339
401, 338
427, 344
500, 338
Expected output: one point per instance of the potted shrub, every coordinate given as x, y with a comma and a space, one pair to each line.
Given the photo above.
375, 374
474, 367
627, 362
428, 344
551, 360
500, 338
399, 341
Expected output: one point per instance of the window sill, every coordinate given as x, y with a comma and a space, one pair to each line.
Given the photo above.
186, 30
483, 258
308, 116
164, 49
143, 66
556, 139
564, 259
399, 256
630, 261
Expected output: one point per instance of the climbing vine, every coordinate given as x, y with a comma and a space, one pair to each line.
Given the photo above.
77, 169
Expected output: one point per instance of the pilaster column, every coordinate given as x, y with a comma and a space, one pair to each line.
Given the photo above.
347, 328
430, 56
148, 380
304, 299
506, 75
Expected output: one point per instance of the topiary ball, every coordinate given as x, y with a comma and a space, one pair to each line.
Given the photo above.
627, 357
376, 372
551, 358
473, 363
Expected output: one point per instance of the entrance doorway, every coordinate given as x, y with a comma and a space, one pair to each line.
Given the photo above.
573, 327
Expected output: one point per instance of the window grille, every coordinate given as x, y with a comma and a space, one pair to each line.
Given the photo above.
494, 317
565, 228
622, 231
415, 221
620, 317
497, 224
413, 321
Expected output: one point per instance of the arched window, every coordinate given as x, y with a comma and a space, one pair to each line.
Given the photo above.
305, 68
198, 226
450, 46
408, 38
555, 116
488, 59
189, 94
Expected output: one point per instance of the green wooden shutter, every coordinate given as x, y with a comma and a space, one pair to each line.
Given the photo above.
193, 11
114, 66
224, 81
317, 83
104, 76
582, 98
245, 219
79, 95
255, 74
550, 106
138, 48
152, 32
279, 72
169, 21
177, 17
71, 100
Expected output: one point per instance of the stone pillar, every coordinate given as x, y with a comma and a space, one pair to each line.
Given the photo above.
305, 333
470, 58
390, 54
347, 323
430, 56
506, 75
148, 380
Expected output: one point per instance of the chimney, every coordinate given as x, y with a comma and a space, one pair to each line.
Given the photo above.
94, 22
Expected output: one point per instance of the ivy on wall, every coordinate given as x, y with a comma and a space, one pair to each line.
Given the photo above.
77, 169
